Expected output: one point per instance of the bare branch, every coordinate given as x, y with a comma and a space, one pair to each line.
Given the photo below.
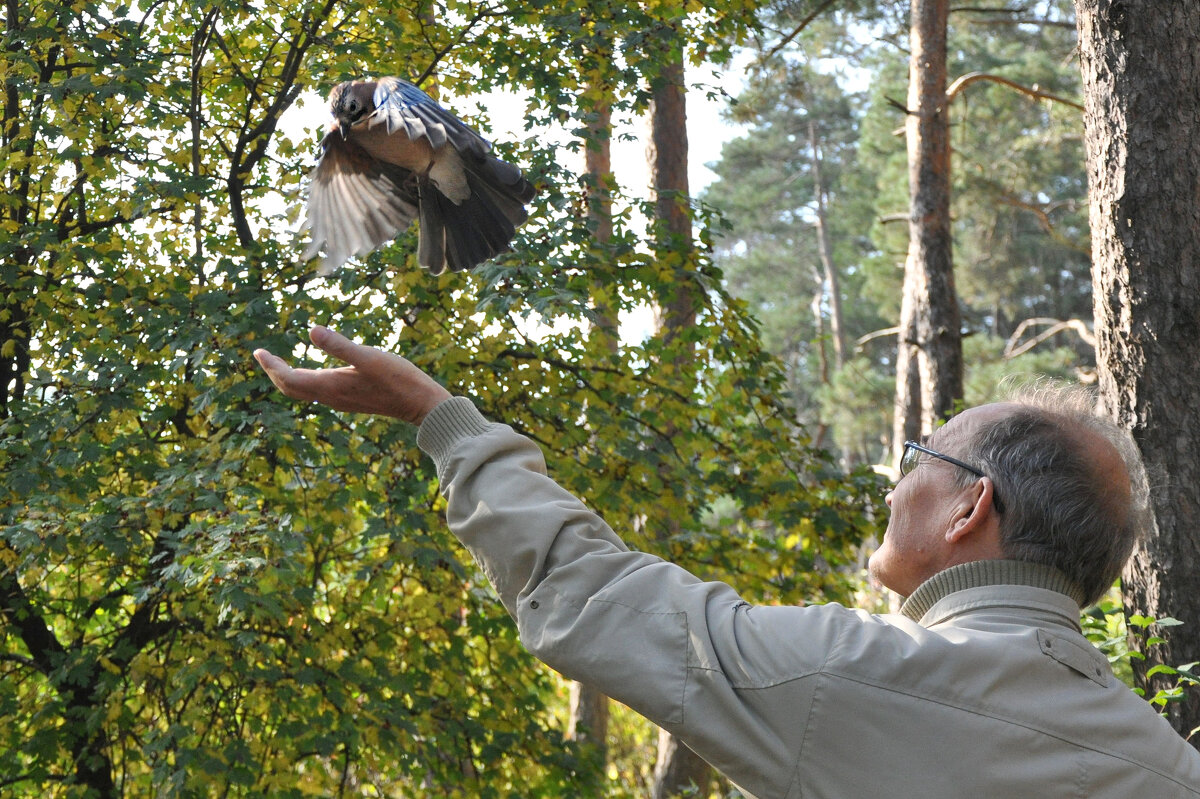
1012, 349
869, 337
1044, 220
1034, 91
12, 657
804, 23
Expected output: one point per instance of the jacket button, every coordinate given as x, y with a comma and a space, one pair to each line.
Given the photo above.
534, 604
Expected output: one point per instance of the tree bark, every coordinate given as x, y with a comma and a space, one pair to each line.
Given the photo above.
588, 719
907, 416
600, 182
1141, 79
929, 309
837, 325
678, 771
668, 156
677, 768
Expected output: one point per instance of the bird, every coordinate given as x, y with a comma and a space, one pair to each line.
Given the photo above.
391, 155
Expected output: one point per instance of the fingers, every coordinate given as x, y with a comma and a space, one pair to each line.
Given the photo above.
334, 343
272, 364
281, 374
374, 381
269, 361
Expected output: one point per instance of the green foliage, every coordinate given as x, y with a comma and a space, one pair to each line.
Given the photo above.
1123, 638
207, 590
991, 373
1019, 200
857, 405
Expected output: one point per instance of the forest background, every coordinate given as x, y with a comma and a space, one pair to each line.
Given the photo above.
208, 590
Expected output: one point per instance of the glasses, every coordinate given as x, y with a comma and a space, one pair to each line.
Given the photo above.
912, 456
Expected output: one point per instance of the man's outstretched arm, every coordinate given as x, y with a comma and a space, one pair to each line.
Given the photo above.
374, 381
687, 654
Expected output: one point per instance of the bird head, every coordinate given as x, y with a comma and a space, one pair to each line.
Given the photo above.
350, 102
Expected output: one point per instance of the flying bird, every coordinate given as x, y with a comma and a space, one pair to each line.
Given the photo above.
392, 155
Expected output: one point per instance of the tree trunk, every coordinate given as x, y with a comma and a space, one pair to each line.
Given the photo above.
1141, 79
679, 771
677, 767
906, 411
588, 721
668, 156
600, 183
930, 304
837, 325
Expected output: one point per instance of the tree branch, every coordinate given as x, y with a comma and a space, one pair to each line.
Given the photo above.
13, 657
804, 23
44, 648
887, 331
1034, 92
1012, 350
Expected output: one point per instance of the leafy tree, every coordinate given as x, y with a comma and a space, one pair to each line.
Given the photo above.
205, 591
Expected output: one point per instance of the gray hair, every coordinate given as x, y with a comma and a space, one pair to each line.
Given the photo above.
1062, 507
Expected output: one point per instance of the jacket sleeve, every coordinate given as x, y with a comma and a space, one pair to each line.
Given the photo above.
731, 680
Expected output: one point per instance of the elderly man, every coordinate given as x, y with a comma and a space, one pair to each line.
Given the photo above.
1007, 521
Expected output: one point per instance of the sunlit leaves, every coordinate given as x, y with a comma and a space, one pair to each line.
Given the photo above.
208, 588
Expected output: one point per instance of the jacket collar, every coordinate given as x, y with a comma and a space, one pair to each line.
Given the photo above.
983, 573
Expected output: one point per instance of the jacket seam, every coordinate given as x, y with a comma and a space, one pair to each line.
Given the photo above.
1083, 746
690, 665
796, 784
967, 608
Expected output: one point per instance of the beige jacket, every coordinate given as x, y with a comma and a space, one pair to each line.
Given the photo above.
983, 689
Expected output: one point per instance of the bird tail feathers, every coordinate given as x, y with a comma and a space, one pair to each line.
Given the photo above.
482, 226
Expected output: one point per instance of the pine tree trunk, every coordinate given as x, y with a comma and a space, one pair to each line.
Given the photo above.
837, 325
930, 304
600, 181
907, 413
677, 768
1141, 78
679, 771
668, 156
588, 721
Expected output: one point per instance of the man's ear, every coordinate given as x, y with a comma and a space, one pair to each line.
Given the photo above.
973, 510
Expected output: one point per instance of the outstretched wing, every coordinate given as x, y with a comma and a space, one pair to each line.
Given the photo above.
355, 202
402, 106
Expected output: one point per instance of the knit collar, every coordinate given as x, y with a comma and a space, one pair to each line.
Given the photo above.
984, 573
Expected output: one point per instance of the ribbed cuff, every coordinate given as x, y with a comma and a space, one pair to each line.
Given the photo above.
450, 422
982, 573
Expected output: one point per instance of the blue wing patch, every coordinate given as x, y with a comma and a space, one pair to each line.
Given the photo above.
402, 106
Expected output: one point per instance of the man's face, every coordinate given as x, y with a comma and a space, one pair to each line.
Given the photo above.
924, 506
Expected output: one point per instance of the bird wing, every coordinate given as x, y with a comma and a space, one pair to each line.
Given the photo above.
402, 106
355, 202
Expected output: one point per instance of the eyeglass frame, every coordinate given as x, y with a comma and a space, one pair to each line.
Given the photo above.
913, 445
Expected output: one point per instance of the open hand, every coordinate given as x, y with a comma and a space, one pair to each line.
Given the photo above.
374, 381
